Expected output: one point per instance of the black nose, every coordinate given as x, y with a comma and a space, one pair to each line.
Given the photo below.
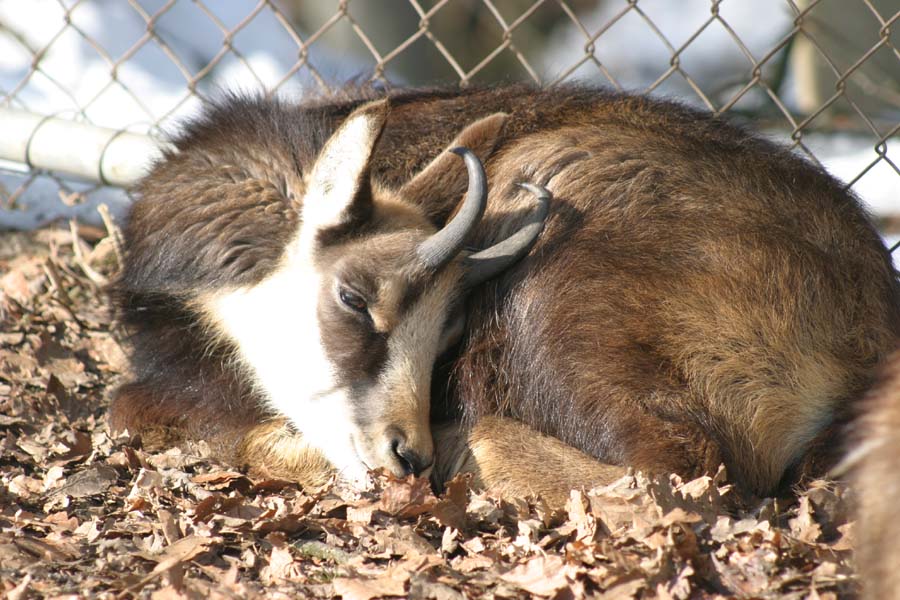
410, 460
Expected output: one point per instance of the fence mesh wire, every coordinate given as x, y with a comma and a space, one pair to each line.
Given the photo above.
815, 73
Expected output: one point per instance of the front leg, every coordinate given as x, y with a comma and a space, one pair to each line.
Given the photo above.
238, 434
273, 449
509, 457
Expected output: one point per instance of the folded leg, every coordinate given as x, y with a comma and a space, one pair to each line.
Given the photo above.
242, 436
506, 456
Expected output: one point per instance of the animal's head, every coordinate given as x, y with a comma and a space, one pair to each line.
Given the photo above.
343, 336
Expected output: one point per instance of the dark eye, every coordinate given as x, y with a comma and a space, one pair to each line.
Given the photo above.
353, 300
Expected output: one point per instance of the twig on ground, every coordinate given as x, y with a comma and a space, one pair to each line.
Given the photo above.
59, 294
93, 275
114, 233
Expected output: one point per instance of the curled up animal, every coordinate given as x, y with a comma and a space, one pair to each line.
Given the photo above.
303, 292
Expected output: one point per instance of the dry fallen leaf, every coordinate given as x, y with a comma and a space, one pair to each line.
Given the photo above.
220, 480
282, 565
450, 510
182, 551
366, 589
407, 498
541, 575
89, 482
804, 526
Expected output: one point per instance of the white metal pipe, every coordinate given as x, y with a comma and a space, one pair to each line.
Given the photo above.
99, 154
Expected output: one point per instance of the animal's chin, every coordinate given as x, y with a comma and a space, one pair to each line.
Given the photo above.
356, 471
359, 472
356, 476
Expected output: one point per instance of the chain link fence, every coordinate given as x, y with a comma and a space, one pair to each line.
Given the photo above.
78, 78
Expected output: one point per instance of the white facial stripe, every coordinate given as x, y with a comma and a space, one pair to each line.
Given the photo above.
275, 324
276, 330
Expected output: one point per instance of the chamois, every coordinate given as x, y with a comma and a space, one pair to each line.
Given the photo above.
699, 295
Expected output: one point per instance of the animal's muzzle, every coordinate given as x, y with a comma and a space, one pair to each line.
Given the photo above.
412, 461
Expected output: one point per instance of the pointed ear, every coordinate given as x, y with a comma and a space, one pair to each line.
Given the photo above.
438, 187
337, 192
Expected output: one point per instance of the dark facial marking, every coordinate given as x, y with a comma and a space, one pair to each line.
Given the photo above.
356, 302
351, 343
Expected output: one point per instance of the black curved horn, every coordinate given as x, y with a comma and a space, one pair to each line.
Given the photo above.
440, 248
490, 262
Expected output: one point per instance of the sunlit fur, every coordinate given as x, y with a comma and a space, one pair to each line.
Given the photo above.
699, 295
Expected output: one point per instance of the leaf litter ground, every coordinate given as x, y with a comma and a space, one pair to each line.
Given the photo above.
85, 515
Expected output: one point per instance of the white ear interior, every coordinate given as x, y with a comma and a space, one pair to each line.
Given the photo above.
338, 173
